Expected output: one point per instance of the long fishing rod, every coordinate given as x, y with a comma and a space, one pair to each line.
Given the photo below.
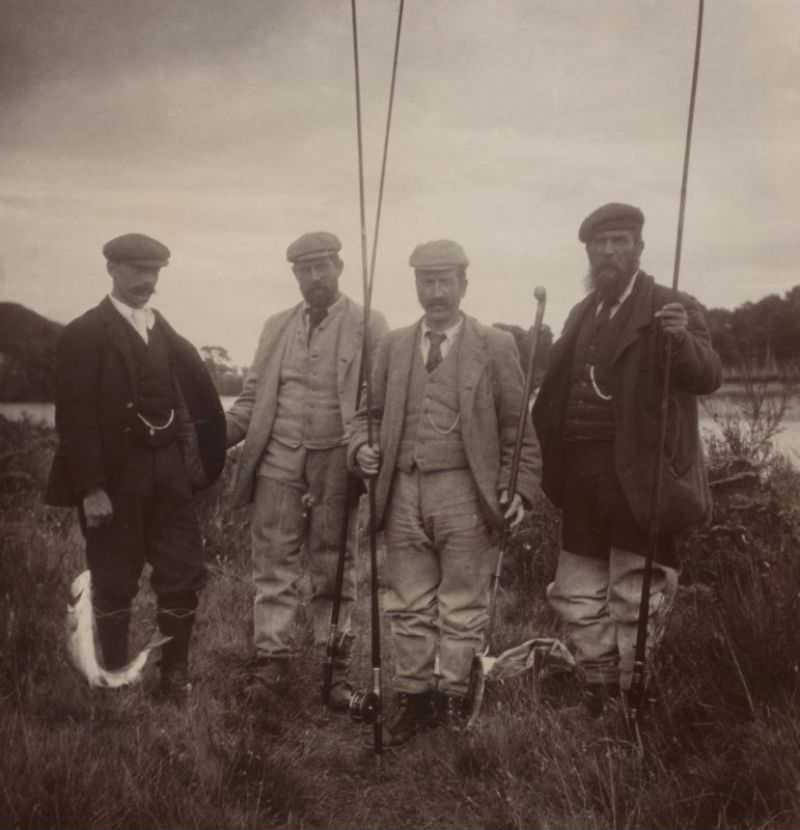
540, 294
359, 703
638, 677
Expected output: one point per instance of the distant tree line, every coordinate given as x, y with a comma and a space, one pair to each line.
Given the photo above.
763, 336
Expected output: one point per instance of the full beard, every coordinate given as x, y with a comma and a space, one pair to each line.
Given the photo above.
609, 281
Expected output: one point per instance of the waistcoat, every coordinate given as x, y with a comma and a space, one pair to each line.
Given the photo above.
432, 425
308, 412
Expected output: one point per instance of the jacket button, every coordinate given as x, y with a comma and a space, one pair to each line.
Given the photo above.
129, 405
126, 430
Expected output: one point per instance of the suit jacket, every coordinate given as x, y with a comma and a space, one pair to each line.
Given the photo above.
490, 386
96, 406
636, 381
253, 414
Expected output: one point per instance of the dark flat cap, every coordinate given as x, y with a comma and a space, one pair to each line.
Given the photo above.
137, 249
313, 245
615, 216
438, 255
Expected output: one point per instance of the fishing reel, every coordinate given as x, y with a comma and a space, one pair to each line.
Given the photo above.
364, 706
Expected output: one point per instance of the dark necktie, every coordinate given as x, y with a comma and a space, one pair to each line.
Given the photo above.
435, 351
603, 316
315, 317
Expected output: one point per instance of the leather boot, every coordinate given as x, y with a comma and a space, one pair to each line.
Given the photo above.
341, 686
112, 622
452, 711
176, 619
413, 713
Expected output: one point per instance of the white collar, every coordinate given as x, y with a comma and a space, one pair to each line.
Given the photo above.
449, 333
128, 311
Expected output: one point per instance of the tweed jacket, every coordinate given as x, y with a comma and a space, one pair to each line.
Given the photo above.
252, 415
96, 407
490, 386
636, 381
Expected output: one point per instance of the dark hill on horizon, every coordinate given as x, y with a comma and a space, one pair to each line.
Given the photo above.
27, 354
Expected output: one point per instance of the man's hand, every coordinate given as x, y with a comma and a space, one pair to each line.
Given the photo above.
368, 457
516, 510
97, 508
674, 320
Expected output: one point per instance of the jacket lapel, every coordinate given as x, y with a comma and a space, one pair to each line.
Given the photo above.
472, 358
114, 327
349, 340
641, 314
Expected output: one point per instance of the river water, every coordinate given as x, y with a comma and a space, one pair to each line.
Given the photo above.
724, 403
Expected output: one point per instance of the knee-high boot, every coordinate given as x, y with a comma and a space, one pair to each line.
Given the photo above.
112, 619
176, 620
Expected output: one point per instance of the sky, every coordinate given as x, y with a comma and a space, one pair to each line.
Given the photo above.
227, 129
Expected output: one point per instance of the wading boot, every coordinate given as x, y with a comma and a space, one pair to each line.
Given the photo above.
413, 713
176, 620
341, 687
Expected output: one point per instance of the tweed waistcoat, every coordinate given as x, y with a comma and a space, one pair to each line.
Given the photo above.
432, 426
308, 412
155, 395
590, 412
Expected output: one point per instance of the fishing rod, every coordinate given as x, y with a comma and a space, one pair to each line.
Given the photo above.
477, 672
360, 703
638, 676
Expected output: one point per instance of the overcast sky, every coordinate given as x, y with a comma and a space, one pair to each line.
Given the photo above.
227, 129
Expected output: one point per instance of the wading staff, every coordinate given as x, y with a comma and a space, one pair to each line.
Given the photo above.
638, 677
477, 679
354, 485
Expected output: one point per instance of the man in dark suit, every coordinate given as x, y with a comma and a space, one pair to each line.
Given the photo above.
597, 419
140, 427
448, 391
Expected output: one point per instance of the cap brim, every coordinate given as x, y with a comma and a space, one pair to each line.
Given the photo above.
314, 255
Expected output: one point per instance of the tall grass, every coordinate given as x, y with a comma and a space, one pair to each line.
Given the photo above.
719, 747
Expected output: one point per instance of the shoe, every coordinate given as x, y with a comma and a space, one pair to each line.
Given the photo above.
273, 674
452, 711
413, 713
341, 690
597, 695
560, 689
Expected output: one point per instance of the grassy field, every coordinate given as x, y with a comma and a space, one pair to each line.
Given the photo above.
719, 747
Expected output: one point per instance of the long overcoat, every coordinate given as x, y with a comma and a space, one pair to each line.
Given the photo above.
490, 386
96, 406
253, 414
636, 380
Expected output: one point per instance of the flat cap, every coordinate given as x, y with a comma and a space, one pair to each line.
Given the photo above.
438, 255
137, 249
313, 245
615, 216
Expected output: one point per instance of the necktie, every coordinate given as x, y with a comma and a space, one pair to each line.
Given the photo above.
435, 350
603, 316
139, 318
315, 317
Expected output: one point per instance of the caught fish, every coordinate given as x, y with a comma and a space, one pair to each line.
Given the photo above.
81, 645
541, 654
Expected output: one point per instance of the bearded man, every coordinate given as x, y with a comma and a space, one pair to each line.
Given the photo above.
293, 416
597, 419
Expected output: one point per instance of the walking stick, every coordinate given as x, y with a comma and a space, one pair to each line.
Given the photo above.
638, 677
353, 484
478, 674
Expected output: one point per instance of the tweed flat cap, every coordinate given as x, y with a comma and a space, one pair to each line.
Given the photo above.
313, 245
438, 255
137, 249
615, 216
